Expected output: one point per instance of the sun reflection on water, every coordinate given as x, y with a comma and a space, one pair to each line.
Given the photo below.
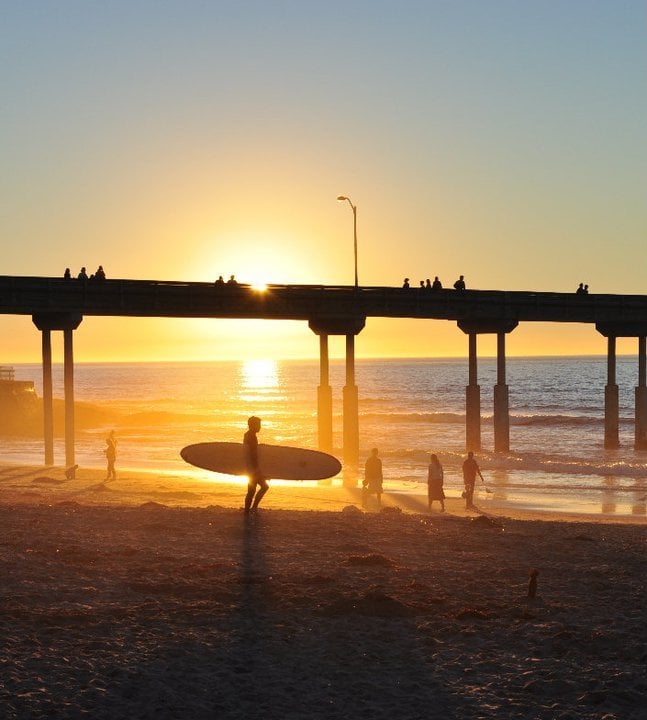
259, 375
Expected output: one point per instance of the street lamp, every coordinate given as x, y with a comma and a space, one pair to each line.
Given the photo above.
341, 198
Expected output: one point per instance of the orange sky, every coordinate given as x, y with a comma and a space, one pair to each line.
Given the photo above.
504, 141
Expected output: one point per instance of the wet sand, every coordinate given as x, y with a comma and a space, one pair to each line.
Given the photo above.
151, 598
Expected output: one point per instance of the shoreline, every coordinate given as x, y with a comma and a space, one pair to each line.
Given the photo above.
35, 484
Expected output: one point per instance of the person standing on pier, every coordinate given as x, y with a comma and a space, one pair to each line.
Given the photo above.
470, 471
258, 485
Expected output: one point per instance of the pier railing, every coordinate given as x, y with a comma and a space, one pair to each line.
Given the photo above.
154, 298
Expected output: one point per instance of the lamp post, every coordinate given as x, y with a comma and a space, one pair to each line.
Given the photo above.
341, 198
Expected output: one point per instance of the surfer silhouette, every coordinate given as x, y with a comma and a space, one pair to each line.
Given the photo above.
258, 485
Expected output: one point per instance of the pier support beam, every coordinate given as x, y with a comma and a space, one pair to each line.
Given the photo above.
640, 442
48, 402
324, 398
349, 327
473, 390
351, 407
472, 400
67, 322
611, 399
68, 385
611, 331
501, 403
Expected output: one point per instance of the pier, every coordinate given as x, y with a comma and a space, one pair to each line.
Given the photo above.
59, 305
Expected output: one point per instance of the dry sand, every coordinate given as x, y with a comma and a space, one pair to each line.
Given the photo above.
146, 598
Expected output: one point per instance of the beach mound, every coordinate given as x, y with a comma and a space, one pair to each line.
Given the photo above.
165, 612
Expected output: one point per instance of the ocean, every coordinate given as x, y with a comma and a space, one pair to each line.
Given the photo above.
408, 409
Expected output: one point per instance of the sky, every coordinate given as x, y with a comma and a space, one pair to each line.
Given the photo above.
183, 139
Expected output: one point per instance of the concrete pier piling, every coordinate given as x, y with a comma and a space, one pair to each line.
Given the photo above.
613, 330
501, 400
324, 398
349, 327
611, 400
472, 400
473, 391
48, 398
640, 440
46, 323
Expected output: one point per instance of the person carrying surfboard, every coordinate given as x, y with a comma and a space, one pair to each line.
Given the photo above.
258, 485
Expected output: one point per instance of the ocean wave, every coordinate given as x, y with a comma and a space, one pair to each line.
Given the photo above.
546, 464
530, 483
452, 418
570, 420
394, 417
556, 465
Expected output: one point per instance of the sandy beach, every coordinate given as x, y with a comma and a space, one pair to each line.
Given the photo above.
150, 598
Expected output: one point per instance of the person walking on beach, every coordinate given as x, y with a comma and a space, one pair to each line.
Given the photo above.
111, 455
258, 485
372, 482
435, 476
470, 471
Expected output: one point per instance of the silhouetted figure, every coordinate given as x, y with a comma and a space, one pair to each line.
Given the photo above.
427, 284
82, 275
232, 280
67, 275
460, 283
257, 486
435, 477
436, 284
532, 584
422, 285
470, 470
586, 289
70, 473
220, 281
405, 284
111, 455
580, 289
372, 483
100, 273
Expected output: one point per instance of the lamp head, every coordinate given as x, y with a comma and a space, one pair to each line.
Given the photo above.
341, 198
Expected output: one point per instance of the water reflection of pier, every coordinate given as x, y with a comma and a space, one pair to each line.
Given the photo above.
56, 304
612, 496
